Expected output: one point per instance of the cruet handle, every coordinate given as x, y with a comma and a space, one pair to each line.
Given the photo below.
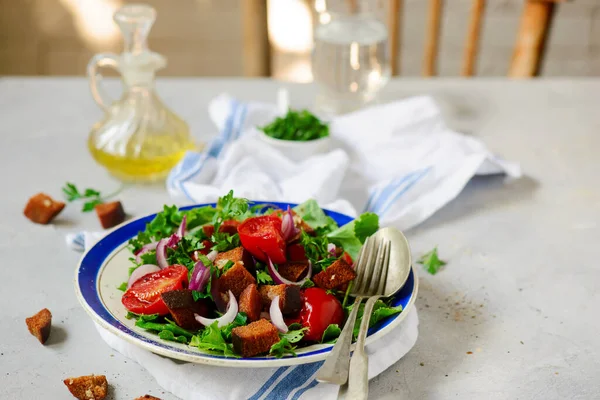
102, 60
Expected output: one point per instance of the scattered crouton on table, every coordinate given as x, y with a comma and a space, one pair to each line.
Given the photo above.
42, 209
40, 325
91, 387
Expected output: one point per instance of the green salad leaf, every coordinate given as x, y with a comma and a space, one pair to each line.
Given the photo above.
122, 287
282, 348
298, 126
167, 221
168, 335
431, 261
315, 217
331, 334
352, 235
294, 336
380, 311
212, 339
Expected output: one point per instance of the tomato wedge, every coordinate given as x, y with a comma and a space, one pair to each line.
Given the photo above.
143, 297
319, 310
262, 237
296, 252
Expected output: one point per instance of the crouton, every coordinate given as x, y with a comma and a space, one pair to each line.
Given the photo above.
251, 303
182, 307
236, 279
40, 324
42, 209
229, 226
337, 274
290, 299
293, 271
254, 338
110, 214
237, 255
146, 397
92, 387
208, 230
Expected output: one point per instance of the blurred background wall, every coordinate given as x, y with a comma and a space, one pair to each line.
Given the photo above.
206, 37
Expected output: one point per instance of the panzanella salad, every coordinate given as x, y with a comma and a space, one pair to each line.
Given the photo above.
243, 280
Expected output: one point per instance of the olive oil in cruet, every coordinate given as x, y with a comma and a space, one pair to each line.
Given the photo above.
139, 139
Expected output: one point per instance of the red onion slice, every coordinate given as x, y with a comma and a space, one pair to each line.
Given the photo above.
200, 277
145, 249
280, 280
288, 228
141, 271
161, 253
215, 292
331, 248
277, 316
212, 255
225, 319
181, 230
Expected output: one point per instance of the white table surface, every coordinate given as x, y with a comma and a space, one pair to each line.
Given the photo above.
520, 291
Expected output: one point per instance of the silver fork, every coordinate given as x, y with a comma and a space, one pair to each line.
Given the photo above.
371, 269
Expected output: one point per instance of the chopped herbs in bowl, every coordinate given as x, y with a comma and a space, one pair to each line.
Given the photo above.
297, 135
299, 126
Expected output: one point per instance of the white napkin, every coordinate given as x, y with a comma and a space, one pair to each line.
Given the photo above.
194, 381
399, 158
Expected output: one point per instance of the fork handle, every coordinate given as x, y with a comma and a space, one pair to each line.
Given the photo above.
358, 379
335, 368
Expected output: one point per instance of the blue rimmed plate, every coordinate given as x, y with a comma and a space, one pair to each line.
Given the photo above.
104, 267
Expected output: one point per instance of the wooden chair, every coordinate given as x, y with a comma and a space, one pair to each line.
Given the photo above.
526, 60
528, 52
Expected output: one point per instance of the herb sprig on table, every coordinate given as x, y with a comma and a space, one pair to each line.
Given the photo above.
298, 126
91, 196
431, 262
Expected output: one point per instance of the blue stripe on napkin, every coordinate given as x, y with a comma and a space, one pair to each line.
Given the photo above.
295, 379
382, 198
268, 383
193, 163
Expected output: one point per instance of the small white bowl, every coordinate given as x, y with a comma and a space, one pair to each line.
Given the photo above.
297, 150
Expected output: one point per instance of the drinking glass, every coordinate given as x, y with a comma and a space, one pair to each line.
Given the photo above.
350, 61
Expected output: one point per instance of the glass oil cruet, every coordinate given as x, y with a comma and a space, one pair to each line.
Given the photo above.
139, 139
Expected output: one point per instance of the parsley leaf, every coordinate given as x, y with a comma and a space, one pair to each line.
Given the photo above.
263, 278
91, 196
227, 265
122, 287
315, 247
229, 207
352, 235
282, 348
224, 241
331, 334
308, 284
296, 125
431, 262
196, 295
